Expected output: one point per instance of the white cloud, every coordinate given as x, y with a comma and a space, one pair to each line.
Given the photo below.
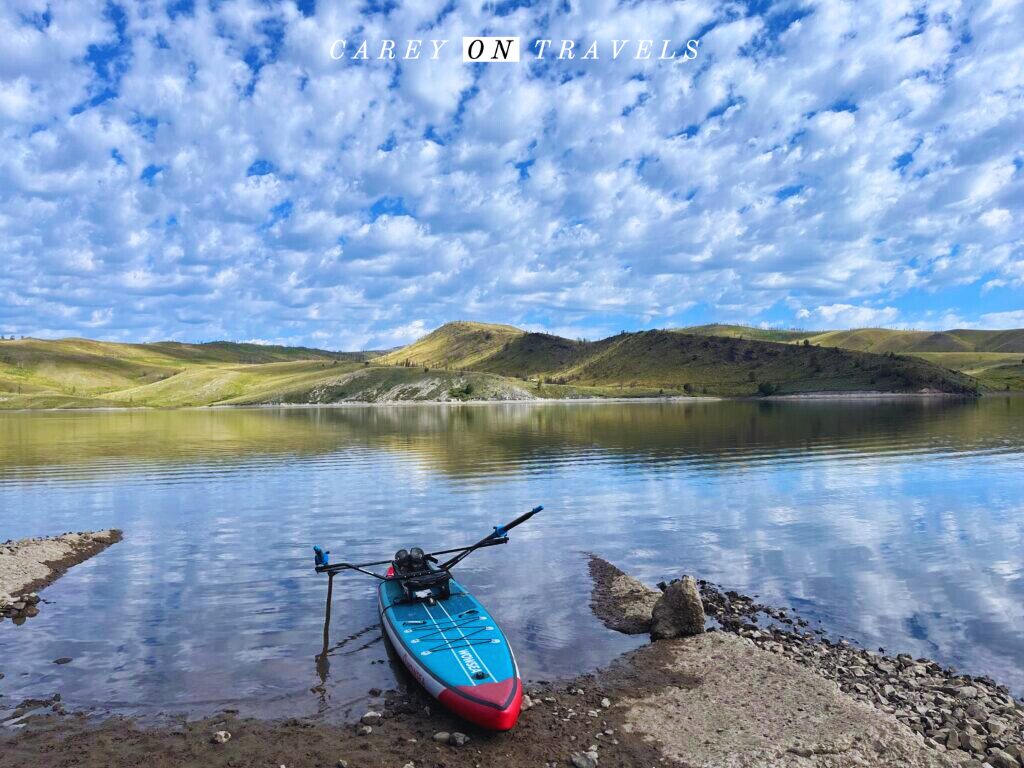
839, 164
996, 217
1013, 319
849, 316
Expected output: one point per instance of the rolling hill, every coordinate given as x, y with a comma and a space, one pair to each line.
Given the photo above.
460, 344
37, 373
745, 332
911, 342
674, 361
472, 361
880, 340
993, 357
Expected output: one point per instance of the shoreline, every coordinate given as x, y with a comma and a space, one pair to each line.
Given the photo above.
858, 396
29, 565
757, 689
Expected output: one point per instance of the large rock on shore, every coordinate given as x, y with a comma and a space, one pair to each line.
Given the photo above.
620, 601
679, 612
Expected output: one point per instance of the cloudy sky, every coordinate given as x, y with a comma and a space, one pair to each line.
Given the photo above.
202, 170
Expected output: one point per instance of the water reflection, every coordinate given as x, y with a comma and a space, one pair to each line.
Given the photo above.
897, 522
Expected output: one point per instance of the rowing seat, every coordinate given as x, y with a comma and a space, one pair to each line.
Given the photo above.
419, 577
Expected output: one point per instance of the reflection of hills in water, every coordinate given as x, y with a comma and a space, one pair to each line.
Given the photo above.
499, 438
897, 522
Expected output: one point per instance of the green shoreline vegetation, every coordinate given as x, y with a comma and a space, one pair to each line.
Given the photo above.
467, 361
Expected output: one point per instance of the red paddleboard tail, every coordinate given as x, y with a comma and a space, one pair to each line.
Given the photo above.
494, 705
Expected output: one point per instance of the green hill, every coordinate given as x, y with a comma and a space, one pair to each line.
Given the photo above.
746, 332
729, 366
469, 361
530, 354
993, 357
676, 361
880, 340
454, 345
37, 373
912, 342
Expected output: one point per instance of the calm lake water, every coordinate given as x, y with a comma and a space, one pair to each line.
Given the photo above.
898, 523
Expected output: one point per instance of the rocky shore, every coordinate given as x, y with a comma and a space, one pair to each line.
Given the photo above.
28, 565
967, 716
757, 689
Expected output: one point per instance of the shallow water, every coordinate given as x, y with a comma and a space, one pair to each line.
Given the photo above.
899, 523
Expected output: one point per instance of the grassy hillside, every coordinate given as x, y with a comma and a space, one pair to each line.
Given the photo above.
675, 362
72, 373
465, 361
530, 354
989, 356
728, 366
1008, 378
75, 366
914, 342
972, 363
454, 345
746, 332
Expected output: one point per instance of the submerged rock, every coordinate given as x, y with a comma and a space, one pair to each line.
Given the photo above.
620, 601
679, 612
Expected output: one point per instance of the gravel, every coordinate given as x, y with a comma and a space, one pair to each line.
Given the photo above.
951, 711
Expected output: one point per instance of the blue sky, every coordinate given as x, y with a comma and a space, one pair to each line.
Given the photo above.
204, 170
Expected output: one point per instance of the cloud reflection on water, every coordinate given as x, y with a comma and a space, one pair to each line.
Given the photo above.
899, 523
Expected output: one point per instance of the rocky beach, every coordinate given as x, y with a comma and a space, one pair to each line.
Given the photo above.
28, 565
758, 688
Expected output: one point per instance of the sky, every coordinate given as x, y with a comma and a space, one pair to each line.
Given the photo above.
199, 170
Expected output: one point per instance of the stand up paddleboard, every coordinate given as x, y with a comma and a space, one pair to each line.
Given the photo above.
449, 642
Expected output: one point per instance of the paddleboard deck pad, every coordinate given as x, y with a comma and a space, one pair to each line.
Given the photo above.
456, 651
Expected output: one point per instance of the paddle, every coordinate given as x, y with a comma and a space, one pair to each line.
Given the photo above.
498, 536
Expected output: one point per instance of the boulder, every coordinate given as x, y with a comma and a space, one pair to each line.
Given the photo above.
679, 612
1001, 759
620, 601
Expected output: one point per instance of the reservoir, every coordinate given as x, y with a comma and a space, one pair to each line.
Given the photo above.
897, 523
